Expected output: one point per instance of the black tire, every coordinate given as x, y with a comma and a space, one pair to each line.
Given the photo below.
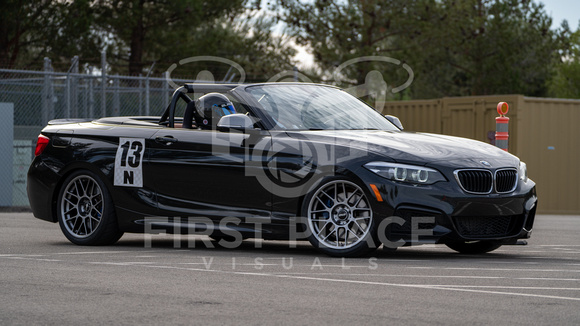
474, 247
340, 204
85, 210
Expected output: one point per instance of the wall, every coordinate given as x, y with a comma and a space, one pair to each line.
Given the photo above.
543, 133
549, 138
6, 144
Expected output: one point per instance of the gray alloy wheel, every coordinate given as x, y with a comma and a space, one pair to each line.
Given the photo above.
85, 211
340, 219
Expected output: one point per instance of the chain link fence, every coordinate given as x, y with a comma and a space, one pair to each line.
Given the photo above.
40, 96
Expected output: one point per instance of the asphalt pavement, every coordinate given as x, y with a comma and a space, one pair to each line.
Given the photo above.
177, 280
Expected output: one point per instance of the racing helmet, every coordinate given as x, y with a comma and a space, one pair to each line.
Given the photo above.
210, 108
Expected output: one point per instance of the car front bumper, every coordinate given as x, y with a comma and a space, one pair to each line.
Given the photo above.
443, 212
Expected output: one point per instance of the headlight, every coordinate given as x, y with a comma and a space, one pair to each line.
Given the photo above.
523, 172
405, 173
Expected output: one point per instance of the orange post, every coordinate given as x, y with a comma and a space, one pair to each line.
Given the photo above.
501, 126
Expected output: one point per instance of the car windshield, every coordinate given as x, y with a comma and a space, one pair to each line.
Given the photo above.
316, 107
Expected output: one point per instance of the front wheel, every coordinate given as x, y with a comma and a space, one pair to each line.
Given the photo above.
339, 218
85, 211
474, 247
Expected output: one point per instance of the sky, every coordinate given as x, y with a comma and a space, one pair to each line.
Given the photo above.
563, 9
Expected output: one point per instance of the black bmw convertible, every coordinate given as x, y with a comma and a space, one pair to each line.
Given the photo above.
278, 161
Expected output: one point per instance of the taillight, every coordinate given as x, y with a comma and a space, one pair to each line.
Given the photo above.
41, 144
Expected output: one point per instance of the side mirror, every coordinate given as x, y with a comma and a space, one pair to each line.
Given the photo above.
236, 121
394, 120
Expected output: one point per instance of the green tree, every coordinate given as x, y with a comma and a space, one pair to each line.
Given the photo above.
247, 40
139, 34
32, 29
566, 82
487, 47
160, 33
146, 30
456, 48
337, 31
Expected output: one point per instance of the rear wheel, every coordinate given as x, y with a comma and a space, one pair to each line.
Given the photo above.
340, 220
474, 247
85, 210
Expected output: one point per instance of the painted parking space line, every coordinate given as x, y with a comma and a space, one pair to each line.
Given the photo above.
512, 262
18, 255
556, 245
441, 276
398, 275
547, 279
354, 259
340, 277
128, 263
417, 286
498, 269
91, 252
509, 287
31, 258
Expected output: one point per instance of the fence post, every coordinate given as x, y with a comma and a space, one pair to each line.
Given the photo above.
116, 97
140, 94
103, 83
7, 150
147, 98
67, 96
84, 94
47, 95
74, 100
165, 89
91, 108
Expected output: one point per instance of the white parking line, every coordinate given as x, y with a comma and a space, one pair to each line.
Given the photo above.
386, 260
128, 263
91, 252
512, 262
497, 269
29, 258
418, 286
399, 275
508, 287
513, 293
441, 276
547, 279
17, 255
555, 245
319, 277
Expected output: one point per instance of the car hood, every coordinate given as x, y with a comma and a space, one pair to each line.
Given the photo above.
414, 148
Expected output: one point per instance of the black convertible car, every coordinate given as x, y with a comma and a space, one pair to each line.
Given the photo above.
278, 161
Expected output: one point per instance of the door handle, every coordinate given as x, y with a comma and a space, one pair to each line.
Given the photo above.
165, 140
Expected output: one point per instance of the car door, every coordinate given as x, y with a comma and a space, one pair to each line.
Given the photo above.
208, 173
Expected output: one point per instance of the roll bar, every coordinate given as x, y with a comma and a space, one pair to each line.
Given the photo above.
168, 116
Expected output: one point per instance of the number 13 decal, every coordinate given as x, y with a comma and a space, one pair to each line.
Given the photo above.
129, 162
